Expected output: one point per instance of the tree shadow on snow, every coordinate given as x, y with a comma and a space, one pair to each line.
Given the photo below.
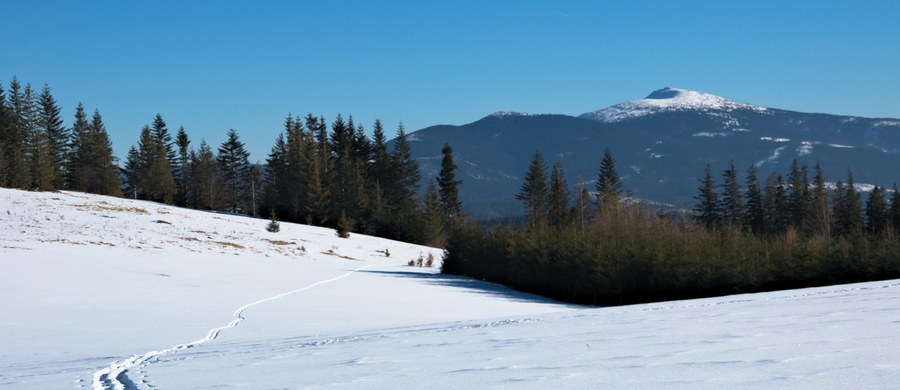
470, 285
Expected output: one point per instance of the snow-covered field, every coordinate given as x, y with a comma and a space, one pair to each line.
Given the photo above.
99, 292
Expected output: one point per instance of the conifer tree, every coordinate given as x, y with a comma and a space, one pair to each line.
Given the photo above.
820, 215
42, 162
707, 208
51, 123
582, 207
99, 170
234, 170
894, 212
276, 167
732, 203
558, 198
876, 211
799, 197
132, 171
534, 192
207, 184
847, 209
181, 165
79, 135
776, 203
6, 124
404, 195
755, 215
448, 186
609, 185
433, 217
19, 175
164, 139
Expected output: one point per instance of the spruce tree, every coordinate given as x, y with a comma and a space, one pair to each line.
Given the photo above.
234, 170
208, 185
79, 135
42, 162
433, 217
98, 163
582, 207
51, 123
164, 139
132, 171
732, 203
6, 127
276, 170
755, 214
404, 195
706, 210
448, 186
820, 215
609, 185
534, 192
847, 209
776, 204
799, 197
17, 148
181, 165
876, 211
894, 212
558, 198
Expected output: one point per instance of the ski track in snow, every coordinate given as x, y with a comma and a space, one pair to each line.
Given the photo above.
115, 376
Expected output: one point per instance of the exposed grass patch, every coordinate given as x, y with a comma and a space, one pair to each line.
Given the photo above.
230, 244
279, 242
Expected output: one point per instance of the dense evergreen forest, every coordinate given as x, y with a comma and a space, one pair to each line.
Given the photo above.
608, 249
335, 177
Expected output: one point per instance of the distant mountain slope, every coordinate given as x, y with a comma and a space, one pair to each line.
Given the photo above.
661, 145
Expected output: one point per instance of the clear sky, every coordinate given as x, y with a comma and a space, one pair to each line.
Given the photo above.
214, 65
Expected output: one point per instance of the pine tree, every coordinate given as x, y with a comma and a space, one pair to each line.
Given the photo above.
164, 139
558, 198
876, 211
273, 226
18, 174
732, 203
776, 204
755, 214
98, 162
609, 185
276, 167
582, 207
433, 217
534, 192
819, 214
132, 171
42, 162
181, 166
6, 128
51, 123
79, 135
894, 212
234, 169
404, 194
205, 172
799, 197
448, 186
847, 209
707, 208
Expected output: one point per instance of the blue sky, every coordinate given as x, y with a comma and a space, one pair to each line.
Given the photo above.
214, 65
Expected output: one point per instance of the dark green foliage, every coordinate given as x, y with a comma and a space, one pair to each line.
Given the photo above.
847, 209
609, 185
273, 226
894, 212
755, 214
93, 161
344, 226
207, 192
558, 198
181, 167
433, 232
876, 211
820, 218
707, 208
800, 204
50, 122
731, 202
534, 191
448, 186
640, 256
234, 170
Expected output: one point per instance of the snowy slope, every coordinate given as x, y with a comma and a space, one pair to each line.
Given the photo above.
667, 100
100, 292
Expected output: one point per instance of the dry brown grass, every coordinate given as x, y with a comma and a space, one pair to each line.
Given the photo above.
230, 244
279, 242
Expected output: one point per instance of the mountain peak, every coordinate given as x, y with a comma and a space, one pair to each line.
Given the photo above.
666, 100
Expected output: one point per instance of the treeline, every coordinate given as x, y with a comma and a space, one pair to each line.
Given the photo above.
38, 152
315, 174
604, 248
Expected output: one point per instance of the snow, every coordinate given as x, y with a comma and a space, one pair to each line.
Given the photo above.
839, 146
169, 298
668, 100
506, 114
775, 154
806, 148
709, 134
770, 139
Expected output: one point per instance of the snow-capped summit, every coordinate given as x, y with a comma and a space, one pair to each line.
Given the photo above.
668, 99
